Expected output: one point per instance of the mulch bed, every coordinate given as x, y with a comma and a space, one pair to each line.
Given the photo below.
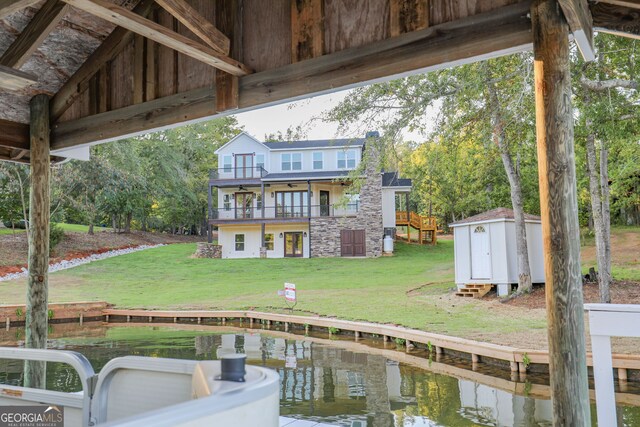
14, 248
622, 292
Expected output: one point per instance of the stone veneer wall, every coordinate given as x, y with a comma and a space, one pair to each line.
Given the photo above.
325, 231
208, 250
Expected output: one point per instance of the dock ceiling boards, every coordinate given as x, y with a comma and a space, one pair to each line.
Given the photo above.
115, 68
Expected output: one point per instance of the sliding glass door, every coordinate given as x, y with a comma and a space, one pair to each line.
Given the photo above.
292, 204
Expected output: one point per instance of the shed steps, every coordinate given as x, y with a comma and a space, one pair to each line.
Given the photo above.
474, 290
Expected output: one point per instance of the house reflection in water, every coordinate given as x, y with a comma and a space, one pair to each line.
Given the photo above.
338, 386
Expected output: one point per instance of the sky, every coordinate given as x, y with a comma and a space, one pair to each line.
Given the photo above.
281, 117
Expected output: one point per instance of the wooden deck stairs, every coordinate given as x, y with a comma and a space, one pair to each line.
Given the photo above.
425, 225
475, 290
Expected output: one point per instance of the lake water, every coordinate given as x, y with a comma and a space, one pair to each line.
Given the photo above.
341, 382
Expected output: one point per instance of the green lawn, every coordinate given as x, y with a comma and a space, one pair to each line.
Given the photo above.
367, 289
66, 227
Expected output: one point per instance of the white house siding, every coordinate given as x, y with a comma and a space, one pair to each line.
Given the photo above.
329, 163
462, 254
536, 255
253, 239
242, 144
498, 252
388, 207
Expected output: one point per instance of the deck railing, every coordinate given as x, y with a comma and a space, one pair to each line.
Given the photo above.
237, 173
420, 222
284, 212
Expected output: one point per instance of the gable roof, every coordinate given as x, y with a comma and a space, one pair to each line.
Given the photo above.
494, 214
316, 143
392, 179
237, 137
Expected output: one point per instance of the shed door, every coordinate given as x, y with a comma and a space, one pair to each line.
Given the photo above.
480, 256
352, 243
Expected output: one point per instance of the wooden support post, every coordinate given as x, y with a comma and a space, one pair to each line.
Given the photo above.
475, 358
356, 335
199, 320
514, 366
175, 320
224, 320
128, 318
622, 374
522, 368
150, 319
106, 318
559, 211
439, 350
39, 216
385, 339
81, 319
306, 329
251, 322
286, 326
8, 323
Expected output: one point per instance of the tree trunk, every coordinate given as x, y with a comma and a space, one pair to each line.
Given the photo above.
127, 223
559, 211
91, 229
606, 219
36, 321
114, 223
522, 252
596, 209
25, 215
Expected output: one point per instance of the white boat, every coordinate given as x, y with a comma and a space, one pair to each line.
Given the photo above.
145, 391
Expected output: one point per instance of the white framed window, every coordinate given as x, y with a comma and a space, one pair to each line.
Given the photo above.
260, 161
226, 200
269, 240
296, 161
258, 201
318, 160
291, 162
239, 242
347, 159
285, 162
226, 162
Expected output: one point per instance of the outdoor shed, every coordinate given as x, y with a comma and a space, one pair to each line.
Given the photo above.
485, 249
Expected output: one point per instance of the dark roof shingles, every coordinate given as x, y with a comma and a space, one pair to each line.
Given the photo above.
318, 143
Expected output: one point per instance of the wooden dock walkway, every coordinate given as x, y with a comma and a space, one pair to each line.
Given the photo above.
426, 226
518, 359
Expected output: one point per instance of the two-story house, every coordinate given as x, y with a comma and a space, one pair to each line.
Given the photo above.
292, 199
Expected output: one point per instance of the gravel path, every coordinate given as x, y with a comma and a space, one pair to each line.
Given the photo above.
65, 264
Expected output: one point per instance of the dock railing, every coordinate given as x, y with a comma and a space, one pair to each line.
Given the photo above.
606, 321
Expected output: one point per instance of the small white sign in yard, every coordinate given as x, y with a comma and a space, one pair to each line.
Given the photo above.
290, 292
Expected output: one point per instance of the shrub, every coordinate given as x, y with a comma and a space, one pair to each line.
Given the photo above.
56, 234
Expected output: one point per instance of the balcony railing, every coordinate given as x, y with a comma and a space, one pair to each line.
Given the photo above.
237, 173
284, 212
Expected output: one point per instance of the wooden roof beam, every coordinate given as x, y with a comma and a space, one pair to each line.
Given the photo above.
198, 24
580, 22
156, 32
12, 79
14, 135
480, 37
34, 34
109, 49
7, 7
616, 19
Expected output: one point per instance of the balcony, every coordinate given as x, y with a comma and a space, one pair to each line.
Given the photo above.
235, 175
281, 213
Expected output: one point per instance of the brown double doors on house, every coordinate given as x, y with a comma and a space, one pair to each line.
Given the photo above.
352, 243
293, 244
244, 205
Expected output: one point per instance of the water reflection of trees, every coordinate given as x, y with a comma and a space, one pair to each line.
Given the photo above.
321, 382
